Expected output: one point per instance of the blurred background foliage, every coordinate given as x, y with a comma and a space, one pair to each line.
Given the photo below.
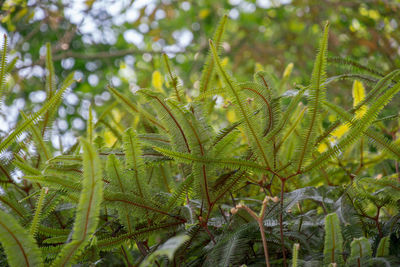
120, 42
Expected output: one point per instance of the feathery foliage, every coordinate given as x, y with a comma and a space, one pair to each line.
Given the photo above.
160, 178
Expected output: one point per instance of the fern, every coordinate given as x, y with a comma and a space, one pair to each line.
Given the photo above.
88, 208
37, 216
3, 67
360, 251
20, 247
209, 69
383, 247
316, 97
252, 128
36, 116
333, 240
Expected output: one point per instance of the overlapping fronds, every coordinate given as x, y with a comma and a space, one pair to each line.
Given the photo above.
20, 247
36, 116
88, 209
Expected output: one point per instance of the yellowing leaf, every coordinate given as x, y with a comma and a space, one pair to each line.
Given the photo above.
322, 148
358, 92
157, 80
288, 70
204, 13
109, 138
340, 131
116, 114
358, 96
230, 115
225, 61
332, 118
259, 67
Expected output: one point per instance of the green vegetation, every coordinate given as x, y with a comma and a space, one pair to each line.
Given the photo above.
165, 176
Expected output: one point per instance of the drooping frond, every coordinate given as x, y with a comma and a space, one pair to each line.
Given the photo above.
197, 138
88, 209
134, 109
354, 64
358, 126
172, 123
231, 163
20, 247
377, 138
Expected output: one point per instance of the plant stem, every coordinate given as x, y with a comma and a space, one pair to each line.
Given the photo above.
281, 223
264, 240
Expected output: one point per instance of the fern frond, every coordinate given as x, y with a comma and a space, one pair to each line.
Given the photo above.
360, 251
36, 116
3, 67
295, 258
358, 127
110, 243
333, 240
90, 125
134, 161
175, 130
37, 216
354, 64
316, 96
15, 207
377, 138
230, 163
197, 138
20, 247
55, 182
173, 79
134, 109
119, 181
383, 247
50, 86
41, 146
252, 128
209, 70
88, 209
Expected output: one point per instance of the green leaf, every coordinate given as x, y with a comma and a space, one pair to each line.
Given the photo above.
88, 209
209, 70
36, 116
316, 96
360, 251
167, 249
296, 248
3, 67
333, 240
20, 247
253, 129
383, 247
